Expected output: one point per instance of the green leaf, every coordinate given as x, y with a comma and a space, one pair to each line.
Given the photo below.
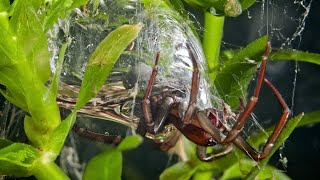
233, 76
253, 51
56, 78
285, 54
230, 8
130, 142
240, 169
179, 171
285, 133
103, 60
32, 40
4, 16
7, 48
109, 163
17, 159
4, 5
78, 3
60, 134
219, 165
233, 80
105, 166
189, 148
310, 119
58, 10
14, 93
307, 119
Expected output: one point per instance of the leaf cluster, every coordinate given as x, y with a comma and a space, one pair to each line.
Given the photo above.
25, 73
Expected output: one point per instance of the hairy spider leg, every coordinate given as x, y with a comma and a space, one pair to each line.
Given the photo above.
234, 136
187, 118
104, 138
252, 102
245, 147
146, 105
204, 156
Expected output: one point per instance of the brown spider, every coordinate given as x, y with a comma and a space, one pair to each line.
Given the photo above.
203, 127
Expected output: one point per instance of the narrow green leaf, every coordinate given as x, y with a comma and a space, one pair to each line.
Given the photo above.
56, 78
14, 93
285, 133
253, 51
105, 166
310, 119
17, 159
109, 163
60, 134
58, 10
233, 77
32, 40
240, 169
179, 171
285, 54
130, 142
7, 48
103, 60
78, 3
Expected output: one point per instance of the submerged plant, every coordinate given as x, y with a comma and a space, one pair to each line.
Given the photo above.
29, 83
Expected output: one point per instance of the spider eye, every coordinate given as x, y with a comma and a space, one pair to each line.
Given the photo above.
211, 142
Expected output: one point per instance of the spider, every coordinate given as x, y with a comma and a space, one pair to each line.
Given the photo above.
205, 127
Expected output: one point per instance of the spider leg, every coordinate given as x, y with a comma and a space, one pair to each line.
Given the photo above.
204, 156
194, 89
146, 106
218, 137
104, 138
283, 119
163, 111
251, 104
170, 142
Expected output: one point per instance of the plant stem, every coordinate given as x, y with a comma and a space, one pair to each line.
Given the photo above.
212, 36
48, 171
